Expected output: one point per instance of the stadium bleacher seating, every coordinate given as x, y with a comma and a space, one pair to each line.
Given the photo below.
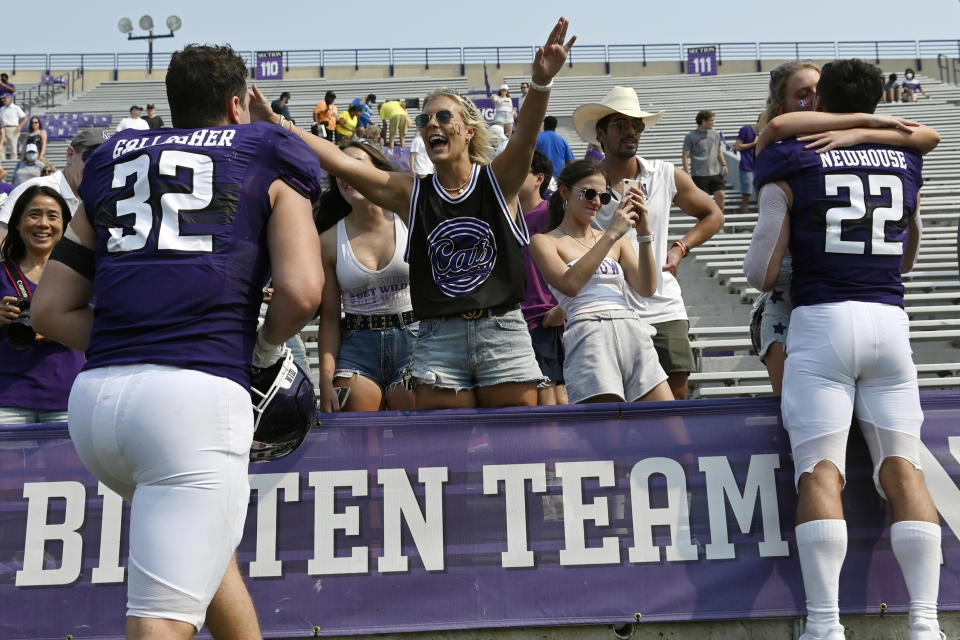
717, 296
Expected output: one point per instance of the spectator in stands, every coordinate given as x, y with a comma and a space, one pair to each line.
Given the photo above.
280, 105
12, 117
703, 158
6, 87
498, 139
48, 169
5, 188
134, 121
395, 120
38, 136
789, 112
609, 352
31, 167
849, 346
368, 350
911, 86
347, 124
153, 120
524, 89
325, 117
544, 316
746, 141
420, 164
616, 124
35, 373
504, 112
65, 182
365, 114
554, 145
891, 89
459, 286
593, 153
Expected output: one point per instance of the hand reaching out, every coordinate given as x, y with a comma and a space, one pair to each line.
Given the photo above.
260, 110
551, 56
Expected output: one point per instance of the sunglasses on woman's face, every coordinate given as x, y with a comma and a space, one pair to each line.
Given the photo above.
444, 116
590, 194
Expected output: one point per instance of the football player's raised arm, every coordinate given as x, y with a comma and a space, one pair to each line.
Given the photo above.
61, 304
771, 237
920, 137
799, 123
295, 263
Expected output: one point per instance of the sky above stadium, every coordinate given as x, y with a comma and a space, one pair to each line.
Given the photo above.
91, 27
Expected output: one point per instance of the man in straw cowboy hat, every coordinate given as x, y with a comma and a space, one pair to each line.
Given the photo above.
615, 124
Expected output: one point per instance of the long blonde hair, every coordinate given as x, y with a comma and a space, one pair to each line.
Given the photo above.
779, 78
479, 146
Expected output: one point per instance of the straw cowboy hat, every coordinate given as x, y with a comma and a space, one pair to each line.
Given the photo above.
620, 100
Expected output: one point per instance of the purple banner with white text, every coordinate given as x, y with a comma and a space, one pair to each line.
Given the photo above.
489, 518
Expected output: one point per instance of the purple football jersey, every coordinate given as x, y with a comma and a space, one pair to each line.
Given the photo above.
181, 257
849, 218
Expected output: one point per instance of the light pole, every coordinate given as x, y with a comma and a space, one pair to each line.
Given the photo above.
146, 23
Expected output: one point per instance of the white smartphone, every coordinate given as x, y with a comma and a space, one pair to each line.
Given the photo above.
627, 183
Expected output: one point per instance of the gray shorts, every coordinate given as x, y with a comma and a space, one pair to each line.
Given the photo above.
610, 352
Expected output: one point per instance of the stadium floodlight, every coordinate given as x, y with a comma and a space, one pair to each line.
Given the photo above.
146, 23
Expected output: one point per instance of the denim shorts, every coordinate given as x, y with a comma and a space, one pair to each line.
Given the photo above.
457, 354
771, 311
747, 186
548, 347
382, 356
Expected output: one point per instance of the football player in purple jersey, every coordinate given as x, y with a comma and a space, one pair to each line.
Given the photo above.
464, 244
180, 228
849, 217
790, 112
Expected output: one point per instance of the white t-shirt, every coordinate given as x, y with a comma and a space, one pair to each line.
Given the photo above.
12, 115
666, 303
55, 181
422, 165
132, 123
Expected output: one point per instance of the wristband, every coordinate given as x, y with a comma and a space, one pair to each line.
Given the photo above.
266, 354
543, 88
684, 250
647, 239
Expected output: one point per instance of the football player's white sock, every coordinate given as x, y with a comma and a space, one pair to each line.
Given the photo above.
916, 545
822, 546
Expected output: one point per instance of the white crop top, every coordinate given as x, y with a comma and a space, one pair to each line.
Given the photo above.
603, 292
366, 291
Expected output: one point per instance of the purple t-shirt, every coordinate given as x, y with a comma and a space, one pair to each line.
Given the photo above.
5, 187
181, 256
39, 377
747, 157
849, 218
539, 300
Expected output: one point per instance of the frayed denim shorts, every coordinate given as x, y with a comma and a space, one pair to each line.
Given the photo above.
382, 356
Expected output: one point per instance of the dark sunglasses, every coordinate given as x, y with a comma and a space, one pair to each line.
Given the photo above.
444, 116
623, 124
590, 194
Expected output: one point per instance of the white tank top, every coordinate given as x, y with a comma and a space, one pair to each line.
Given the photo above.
366, 291
603, 292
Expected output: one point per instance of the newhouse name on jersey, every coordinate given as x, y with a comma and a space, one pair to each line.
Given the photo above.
864, 158
198, 138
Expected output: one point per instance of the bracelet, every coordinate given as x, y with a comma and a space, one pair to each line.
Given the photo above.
684, 249
541, 87
647, 239
281, 120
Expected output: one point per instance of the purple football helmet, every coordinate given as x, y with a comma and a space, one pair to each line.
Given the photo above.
284, 409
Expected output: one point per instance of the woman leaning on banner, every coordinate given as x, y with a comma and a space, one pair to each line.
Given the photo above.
368, 351
35, 374
464, 247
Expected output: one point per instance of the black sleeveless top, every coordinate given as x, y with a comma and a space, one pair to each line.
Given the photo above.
465, 252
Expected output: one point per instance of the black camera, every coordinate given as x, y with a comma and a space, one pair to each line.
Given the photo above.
20, 331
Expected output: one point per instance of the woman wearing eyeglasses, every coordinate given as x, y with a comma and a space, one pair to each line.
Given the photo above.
609, 352
38, 136
465, 241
